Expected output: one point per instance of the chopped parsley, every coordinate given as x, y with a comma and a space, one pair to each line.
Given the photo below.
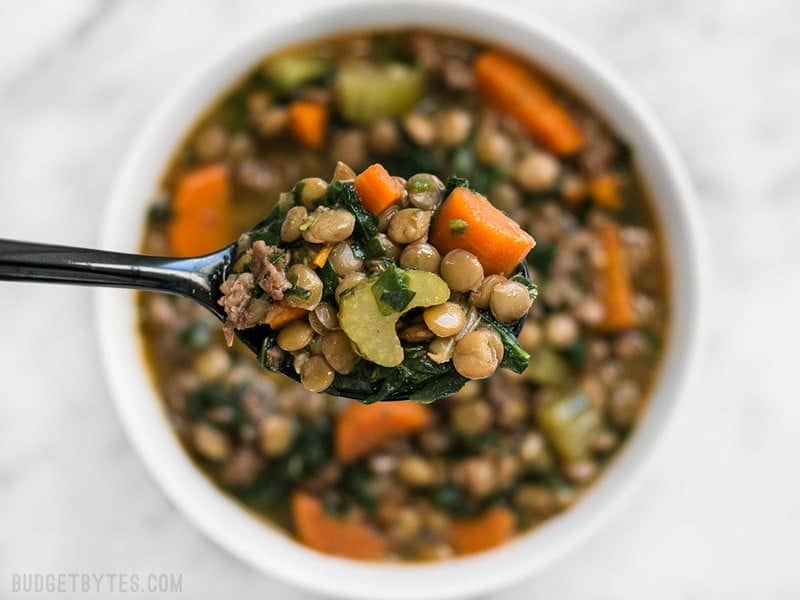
306, 225
391, 290
458, 226
296, 290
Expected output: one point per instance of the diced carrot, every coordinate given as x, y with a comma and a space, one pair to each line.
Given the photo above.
322, 256
605, 191
498, 241
331, 535
617, 293
389, 509
308, 122
363, 427
492, 528
513, 88
279, 315
377, 189
201, 212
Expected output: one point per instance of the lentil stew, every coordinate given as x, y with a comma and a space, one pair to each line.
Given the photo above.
405, 480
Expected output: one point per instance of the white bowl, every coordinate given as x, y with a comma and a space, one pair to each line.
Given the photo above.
275, 553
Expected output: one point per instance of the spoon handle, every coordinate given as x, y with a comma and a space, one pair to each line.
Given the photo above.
192, 277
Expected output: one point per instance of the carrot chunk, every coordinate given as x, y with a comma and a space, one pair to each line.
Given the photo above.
279, 315
498, 241
377, 189
201, 211
331, 535
361, 427
618, 293
605, 191
492, 528
322, 256
513, 88
308, 122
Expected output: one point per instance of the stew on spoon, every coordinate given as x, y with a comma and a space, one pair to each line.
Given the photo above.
376, 286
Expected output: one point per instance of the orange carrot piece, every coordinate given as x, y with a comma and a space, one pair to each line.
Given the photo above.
363, 427
308, 122
201, 211
279, 315
498, 241
492, 528
605, 191
513, 88
332, 535
618, 294
377, 189
322, 256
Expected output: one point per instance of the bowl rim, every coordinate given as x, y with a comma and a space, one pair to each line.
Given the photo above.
220, 517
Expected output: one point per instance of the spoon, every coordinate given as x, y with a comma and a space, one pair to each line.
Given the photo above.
197, 278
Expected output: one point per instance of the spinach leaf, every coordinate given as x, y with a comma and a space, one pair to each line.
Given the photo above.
344, 194
159, 213
391, 290
444, 385
576, 353
419, 366
358, 251
271, 357
541, 257
462, 161
220, 397
329, 281
452, 499
311, 448
417, 377
453, 182
355, 481
408, 160
533, 289
359, 381
514, 356
269, 341
232, 113
197, 335
481, 177
269, 230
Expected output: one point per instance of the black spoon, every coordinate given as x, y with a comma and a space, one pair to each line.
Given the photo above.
197, 278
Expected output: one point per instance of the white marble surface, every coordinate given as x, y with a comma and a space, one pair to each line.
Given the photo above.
717, 515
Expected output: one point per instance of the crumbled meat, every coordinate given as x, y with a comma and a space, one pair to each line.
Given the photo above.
320, 95
268, 265
451, 61
426, 51
242, 307
237, 290
258, 176
241, 469
599, 149
458, 74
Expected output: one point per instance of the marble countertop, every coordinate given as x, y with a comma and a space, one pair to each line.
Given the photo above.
717, 514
